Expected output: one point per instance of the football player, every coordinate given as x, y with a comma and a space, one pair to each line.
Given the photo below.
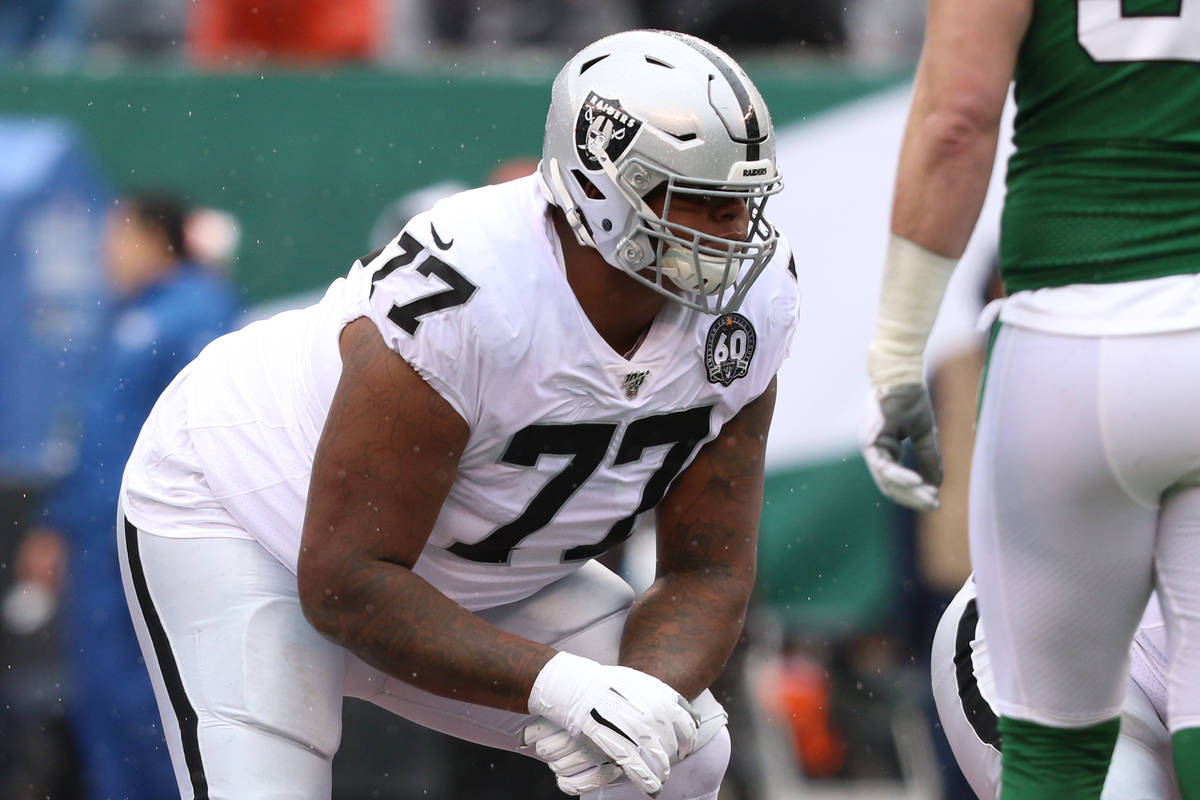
964, 690
398, 493
1085, 483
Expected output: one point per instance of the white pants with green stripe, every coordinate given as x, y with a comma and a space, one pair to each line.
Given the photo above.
1084, 498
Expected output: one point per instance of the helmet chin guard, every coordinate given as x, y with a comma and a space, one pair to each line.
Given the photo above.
641, 110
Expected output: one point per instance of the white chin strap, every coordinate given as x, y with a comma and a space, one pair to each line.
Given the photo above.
558, 192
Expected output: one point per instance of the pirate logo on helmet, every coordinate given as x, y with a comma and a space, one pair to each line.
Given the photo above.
603, 125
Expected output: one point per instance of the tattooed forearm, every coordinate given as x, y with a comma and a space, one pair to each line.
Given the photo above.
684, 627
398, 623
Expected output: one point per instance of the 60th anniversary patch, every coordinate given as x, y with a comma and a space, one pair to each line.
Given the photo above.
728, 349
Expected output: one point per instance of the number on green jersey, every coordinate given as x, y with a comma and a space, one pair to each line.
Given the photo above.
1108, 35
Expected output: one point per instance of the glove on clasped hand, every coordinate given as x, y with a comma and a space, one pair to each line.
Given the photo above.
638, 721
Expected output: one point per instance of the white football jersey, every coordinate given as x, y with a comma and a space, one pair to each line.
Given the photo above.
569, 441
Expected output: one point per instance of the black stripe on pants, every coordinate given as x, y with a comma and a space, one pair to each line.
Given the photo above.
979, 714
189, 723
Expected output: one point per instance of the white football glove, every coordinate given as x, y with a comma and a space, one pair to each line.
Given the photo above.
635, 719
578, 765
893, 414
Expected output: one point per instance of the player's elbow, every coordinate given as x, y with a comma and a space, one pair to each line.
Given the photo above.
961, 125
320, 590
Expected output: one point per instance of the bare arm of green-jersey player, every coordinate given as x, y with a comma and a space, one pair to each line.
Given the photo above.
949, 142
946, 159
683, 628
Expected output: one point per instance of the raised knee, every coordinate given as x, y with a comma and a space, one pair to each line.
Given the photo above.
701, 773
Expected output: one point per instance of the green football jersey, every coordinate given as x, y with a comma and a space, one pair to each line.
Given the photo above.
1104, 185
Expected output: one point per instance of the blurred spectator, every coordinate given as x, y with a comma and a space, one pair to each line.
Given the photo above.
51, 198
520, 23
816, 24
39, 26
167, 309
211, 236
450, 21
226, 32
137, 28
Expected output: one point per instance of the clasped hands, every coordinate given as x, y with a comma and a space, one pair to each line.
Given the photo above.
599, 723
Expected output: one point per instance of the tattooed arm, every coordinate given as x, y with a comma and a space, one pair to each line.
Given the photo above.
383, 467
683, 628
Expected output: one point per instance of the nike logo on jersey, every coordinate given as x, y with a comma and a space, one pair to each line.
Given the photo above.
438, 240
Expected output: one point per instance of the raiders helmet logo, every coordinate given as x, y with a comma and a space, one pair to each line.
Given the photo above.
729, 348
603, 125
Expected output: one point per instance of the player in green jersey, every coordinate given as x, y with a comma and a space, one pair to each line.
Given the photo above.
1085, 483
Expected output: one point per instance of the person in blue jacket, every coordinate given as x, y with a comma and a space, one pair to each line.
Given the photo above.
166, 308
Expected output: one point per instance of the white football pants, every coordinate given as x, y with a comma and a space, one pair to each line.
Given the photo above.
965, 694
251, 695
1083, 498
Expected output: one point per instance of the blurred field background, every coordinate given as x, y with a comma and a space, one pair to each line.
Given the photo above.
307, 159
303, 129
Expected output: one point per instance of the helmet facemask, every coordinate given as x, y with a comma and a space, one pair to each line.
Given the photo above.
714, 272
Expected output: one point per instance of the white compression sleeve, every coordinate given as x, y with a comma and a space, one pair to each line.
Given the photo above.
914, 282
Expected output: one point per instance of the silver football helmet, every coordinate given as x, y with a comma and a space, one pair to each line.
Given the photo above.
643, 109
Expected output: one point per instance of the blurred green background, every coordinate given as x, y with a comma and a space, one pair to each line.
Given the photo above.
307, 160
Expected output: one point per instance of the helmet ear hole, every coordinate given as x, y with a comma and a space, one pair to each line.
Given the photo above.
589, 188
